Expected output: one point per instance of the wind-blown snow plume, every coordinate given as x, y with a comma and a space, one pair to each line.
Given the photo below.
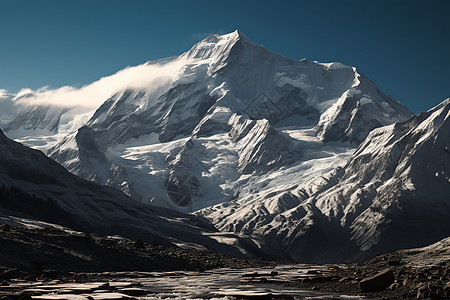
152, 75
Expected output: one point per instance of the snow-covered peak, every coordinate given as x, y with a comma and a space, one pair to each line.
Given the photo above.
216, 46
441, 105
231, 71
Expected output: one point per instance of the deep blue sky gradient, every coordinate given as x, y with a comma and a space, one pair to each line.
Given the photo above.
403, 46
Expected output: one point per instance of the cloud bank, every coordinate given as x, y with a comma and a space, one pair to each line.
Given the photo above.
146, 76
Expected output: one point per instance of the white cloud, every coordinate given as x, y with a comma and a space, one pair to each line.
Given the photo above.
3, 93
146, 76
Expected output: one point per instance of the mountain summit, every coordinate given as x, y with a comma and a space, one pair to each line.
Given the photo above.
217, 47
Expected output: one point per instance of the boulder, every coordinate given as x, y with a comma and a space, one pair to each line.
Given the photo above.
379, 282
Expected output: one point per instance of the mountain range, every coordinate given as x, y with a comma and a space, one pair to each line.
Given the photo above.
235, 148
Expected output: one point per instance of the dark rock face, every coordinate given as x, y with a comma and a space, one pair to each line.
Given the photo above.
183, 189
43, 208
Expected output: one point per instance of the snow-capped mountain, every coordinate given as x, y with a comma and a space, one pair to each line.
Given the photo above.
266, 146
231, 72
33, 185
401, 183
393, 193
219, 112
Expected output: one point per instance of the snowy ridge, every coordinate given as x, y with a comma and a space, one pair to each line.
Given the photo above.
355, 111
414, 182
215, 48
30, 116
39, 126
399, 173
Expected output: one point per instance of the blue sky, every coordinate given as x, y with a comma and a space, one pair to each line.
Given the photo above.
403, 46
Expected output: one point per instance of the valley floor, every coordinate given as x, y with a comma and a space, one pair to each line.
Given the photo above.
56, 263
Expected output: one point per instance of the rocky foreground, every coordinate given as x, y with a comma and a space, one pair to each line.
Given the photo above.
54, 263
422, 273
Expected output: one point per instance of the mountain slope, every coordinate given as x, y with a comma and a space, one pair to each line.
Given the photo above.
407, 164
36, 186
391, 194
